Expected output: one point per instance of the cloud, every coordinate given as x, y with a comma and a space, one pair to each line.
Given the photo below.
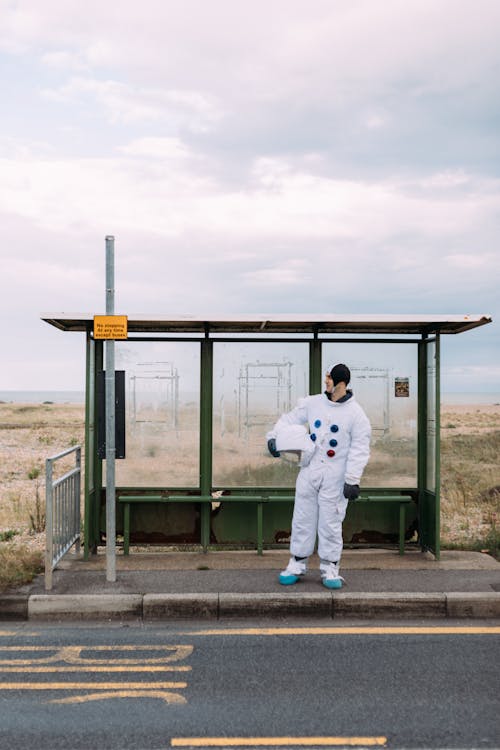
369, 85
375, 121
471, 261
126, 103
264, 156
64, 60
329, 52
157, 148
161, 185
295, 37
456, 178
288, 273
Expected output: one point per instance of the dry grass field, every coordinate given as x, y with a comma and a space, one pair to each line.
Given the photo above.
470, 477
30, 433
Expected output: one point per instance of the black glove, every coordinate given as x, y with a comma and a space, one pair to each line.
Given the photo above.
351, 491
271, 446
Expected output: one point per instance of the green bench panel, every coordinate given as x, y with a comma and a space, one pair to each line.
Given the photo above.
260, 500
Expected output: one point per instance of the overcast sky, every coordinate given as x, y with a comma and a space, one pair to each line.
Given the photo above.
302, 156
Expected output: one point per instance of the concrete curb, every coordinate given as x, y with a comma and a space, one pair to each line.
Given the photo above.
84, 607
13, 607
473, 604
215, 606
180, 606
276, 605
404, 605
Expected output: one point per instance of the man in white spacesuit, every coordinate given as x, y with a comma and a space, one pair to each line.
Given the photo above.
330, 474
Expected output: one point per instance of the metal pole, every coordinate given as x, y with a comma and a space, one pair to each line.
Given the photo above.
110, 418
88, 459
78, 490
315, 373
49, 525
206, 434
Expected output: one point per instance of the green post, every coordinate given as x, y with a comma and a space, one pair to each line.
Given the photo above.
126, 528
428, 495
260, 528
315, 368
422, 439
99, 357
402, 526
437, 456
206, 442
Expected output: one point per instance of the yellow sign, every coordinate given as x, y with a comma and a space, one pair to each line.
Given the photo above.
110, 327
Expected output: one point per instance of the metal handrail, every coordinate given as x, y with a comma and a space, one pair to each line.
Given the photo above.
62, 511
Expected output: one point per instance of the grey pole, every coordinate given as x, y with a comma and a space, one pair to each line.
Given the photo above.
110, 418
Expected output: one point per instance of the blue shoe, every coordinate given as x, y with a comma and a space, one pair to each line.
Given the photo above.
287, 580
330, 575
294, 570
335, 583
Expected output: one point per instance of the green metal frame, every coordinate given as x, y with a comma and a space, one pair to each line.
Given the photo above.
428, 501
429, 498
206, 432
315, 370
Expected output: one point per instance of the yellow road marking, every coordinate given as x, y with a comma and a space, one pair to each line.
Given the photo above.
331, 630
74, 659
75, 668
30, 648
91, 685
275, 741
164, 695
180, 649
73, 655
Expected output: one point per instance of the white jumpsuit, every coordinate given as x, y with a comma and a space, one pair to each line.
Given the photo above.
341, 432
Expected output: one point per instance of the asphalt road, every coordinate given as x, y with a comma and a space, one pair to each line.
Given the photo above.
290, 685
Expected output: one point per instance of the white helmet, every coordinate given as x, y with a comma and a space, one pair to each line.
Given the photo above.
294, 438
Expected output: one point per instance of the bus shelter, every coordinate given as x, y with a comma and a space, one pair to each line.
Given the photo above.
196, 396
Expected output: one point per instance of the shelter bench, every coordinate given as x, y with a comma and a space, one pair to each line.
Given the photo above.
259, 500
402, 501
205, 500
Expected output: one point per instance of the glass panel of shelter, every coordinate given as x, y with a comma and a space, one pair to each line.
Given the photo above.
384, 379
254, 383
162, 384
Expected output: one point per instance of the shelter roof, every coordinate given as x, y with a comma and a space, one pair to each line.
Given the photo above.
279, 323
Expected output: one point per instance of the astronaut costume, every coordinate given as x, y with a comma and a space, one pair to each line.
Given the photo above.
340, 434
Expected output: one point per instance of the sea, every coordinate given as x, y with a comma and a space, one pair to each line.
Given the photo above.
40, 397
78, 397
457, 399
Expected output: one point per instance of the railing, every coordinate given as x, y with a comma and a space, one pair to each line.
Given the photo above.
62, 511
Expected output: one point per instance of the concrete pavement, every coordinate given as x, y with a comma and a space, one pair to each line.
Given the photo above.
165, 585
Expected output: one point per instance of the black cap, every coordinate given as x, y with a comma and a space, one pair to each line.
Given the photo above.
340, 373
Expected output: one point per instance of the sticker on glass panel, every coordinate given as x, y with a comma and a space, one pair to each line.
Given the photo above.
402, 387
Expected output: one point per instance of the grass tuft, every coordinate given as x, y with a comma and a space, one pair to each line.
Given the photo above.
6, 536
18, 565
